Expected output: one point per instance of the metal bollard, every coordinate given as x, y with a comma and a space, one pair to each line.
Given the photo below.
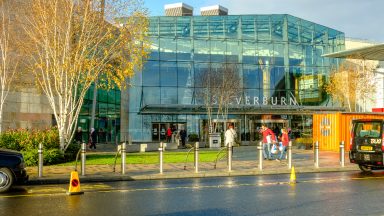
123, 156
229, 149
289, 152
161, 157
40, 167
316, 154
197, 157
342, 157
83, 158
260, 148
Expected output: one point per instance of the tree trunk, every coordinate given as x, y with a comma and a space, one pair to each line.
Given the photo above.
62, 138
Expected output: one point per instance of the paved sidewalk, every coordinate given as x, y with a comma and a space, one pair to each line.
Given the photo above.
245, 162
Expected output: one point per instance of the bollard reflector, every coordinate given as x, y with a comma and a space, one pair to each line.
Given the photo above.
292, 179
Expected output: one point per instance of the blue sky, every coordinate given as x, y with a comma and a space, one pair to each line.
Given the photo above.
361, 19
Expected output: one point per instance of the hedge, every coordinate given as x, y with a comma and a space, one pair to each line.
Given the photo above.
27, 142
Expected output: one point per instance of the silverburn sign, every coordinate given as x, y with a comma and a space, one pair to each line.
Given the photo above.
274, 101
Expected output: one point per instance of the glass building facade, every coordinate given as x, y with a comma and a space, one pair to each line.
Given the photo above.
278, 59
107, 115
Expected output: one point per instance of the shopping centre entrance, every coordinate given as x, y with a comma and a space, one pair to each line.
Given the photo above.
274, 124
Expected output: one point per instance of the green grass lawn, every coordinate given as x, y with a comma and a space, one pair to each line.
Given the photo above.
147, 158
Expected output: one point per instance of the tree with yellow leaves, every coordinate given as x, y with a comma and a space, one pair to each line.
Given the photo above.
71, 43
352, 82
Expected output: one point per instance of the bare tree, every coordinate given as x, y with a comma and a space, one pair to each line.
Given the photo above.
220, 86
72, 43
352, 82
8, 57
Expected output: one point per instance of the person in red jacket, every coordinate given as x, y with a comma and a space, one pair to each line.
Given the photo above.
169, 135
268, 138
284, 142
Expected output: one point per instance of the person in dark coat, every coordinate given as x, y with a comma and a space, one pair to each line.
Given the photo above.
183, 136
79, 135
92, 138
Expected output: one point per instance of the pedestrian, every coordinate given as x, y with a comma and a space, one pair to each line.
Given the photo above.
183, 136
284, 142
230, 136
92, 138
268, 138
169, 135
79, 135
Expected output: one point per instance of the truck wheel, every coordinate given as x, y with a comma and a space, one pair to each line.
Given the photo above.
365, 169
6, 179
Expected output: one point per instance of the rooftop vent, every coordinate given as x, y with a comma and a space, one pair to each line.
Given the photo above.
215, 10
178, 9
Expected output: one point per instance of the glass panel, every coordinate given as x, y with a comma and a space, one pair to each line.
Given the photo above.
306, 31
252, 76
151, 74
218, 49
200, 27
151, 95
185, 76
154, 54
232, 25
118, 97
134, 98
103, 109
248, 27
295, 54
168, 74
185, 95
168, 26
233, 51
184, 50
277, 30
263, 28
102, 96
167, 49
111, 96
201, 50
183, 26
153, 26
135, 126
168, 95
216, 27
249, 53
199, 70
278, 78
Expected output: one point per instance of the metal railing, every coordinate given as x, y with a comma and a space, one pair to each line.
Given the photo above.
220, 156
186, 158
195, 149
122, 150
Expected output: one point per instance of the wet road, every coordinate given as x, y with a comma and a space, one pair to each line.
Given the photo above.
348, 193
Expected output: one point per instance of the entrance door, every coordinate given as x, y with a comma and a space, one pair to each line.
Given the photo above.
220, 126
159, 130
274, 124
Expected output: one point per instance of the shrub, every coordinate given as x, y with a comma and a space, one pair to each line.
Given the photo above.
71, 152
27, 142
31, 158
53, 156
193, 137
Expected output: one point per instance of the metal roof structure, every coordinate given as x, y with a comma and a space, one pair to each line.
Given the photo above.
374, 52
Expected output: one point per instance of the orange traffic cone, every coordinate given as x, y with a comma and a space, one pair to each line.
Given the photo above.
74, 184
